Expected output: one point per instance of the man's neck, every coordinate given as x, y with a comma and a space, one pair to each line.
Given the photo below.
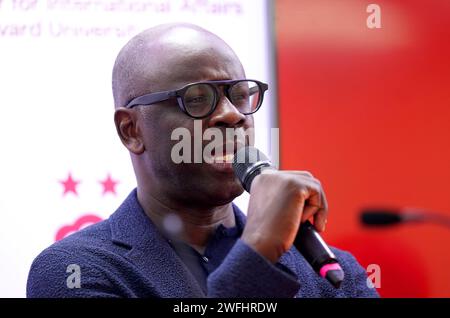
197, 225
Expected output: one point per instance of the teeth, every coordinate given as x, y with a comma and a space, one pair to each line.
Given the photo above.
226, 158
229, 157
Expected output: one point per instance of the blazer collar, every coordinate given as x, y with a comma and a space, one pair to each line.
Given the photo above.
152, 253
130, 225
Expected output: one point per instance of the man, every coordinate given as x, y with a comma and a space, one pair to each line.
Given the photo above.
178, 234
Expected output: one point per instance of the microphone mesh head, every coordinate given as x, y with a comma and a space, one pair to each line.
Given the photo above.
244, 158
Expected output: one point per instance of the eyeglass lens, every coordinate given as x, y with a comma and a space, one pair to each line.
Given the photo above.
200, 98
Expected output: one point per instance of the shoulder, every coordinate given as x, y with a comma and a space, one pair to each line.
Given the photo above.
346, 259
85, 245
355, 282
57, 270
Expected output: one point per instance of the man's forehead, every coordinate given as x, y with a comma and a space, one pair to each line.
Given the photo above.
186, 37
173, 37
166, 56
185, 55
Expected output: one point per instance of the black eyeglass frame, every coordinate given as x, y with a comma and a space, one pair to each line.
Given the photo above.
157, 97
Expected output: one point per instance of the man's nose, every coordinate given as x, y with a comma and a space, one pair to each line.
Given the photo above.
226, 115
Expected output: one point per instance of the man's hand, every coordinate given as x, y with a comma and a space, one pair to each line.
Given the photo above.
279, 202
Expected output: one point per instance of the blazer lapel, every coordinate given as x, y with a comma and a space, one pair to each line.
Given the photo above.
151, 252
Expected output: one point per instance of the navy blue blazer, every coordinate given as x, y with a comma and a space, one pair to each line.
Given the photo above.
126, 256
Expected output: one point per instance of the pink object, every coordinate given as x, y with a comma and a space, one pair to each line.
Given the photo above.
79, 224
324, 270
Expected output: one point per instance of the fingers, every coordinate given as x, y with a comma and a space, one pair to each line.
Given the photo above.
320, 220
292, 172
321, 215
316, 205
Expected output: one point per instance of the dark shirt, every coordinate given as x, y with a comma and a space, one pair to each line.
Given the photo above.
216, 250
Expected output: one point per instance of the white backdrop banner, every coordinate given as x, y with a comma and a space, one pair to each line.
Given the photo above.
62, 166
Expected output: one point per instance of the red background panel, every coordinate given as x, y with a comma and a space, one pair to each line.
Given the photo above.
367, 111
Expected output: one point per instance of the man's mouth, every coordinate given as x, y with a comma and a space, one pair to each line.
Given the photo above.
225, 154
227, 158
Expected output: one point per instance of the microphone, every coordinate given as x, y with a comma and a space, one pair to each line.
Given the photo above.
390, 216
382, 217
248, 162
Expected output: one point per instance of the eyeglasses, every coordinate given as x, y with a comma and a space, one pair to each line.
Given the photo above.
199, 100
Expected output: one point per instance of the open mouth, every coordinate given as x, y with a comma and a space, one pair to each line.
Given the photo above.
224, 153
227, 158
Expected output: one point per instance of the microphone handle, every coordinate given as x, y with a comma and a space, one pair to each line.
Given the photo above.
307, 241
313, 248
249, 162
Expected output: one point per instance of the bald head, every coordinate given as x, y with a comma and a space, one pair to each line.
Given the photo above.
166, 57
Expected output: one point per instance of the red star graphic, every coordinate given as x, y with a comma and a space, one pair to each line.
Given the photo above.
70, 185
109, 185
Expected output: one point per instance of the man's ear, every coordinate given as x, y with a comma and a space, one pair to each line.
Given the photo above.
128, 130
